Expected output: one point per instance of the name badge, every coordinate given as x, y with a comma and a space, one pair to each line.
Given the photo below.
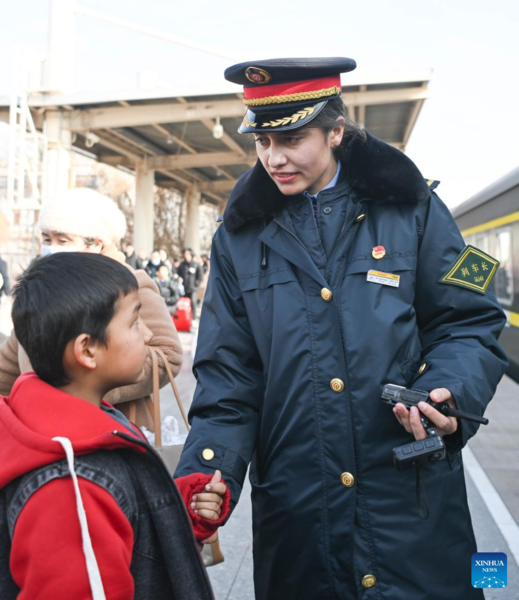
383, 278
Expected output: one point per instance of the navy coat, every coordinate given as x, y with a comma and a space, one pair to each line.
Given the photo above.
332, 516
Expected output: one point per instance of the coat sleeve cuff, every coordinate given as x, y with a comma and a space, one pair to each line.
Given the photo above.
189, 485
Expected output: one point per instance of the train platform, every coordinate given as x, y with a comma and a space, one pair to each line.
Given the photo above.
492, 473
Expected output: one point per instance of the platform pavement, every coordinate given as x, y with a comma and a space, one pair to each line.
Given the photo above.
496, 447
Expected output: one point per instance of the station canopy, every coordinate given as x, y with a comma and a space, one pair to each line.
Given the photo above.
173, 131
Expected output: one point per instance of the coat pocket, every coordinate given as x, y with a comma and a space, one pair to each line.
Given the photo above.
402, 261
384, 297
264, 279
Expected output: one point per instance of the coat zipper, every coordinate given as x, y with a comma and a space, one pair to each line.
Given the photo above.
292, 234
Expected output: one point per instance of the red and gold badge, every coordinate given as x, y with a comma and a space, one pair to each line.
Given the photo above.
378, 252
255, 75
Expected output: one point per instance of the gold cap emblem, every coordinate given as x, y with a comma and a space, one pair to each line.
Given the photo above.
256, 75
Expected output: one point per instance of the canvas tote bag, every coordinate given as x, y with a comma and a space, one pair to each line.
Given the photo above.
211, 553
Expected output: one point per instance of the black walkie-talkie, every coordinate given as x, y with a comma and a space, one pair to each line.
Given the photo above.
432, 448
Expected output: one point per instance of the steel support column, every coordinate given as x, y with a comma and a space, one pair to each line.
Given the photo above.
143, 232
192, 236
58, 154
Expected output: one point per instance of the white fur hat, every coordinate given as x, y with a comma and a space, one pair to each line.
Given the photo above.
84, 212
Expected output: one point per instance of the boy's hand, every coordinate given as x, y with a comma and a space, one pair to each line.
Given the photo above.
209, 503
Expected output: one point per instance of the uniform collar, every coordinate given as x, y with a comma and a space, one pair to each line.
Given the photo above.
375, 170
332, 183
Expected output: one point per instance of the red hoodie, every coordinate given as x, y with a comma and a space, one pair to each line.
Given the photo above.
49, 554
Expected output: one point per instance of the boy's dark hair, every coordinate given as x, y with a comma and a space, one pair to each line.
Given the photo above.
62, 296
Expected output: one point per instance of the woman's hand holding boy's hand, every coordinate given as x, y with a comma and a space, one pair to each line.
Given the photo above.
209, 503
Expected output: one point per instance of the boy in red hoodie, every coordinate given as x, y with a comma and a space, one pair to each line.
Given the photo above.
87, 508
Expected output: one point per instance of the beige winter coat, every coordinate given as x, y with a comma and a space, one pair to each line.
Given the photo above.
154, 313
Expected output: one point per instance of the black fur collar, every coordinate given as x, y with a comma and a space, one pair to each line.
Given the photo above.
373, 168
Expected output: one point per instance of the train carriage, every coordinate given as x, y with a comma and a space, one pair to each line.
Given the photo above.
490, 221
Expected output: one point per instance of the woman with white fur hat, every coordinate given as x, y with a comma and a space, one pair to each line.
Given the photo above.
83, 220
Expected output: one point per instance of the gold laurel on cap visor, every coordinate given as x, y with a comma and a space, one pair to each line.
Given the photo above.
298, 97
291, 118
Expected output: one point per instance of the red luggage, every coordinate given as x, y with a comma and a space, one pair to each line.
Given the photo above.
183, 315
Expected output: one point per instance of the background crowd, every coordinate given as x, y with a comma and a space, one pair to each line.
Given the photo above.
175, 278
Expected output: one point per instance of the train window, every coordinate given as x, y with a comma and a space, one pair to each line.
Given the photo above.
504, 281
482, 242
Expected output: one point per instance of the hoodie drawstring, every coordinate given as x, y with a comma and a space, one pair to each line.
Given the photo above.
94, 576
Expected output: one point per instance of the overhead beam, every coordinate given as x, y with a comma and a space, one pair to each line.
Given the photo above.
135, 116
370, 98
178, 178
115, 160
206, 187
150, 153
194, 161
217, 186
37, 117
209, 189
174, 138
214, 187
132, 156
189, 148
136, 141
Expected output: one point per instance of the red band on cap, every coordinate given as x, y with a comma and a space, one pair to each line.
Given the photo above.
294, 87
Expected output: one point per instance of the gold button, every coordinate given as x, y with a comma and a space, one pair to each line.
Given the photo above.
347, 480
326, 294
360, 218
422, 368
208, 454
368, 581
337, 385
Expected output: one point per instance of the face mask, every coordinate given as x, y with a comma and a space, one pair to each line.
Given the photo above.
155, 262
46, 249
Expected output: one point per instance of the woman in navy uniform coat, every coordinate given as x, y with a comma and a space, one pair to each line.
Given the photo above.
337, 270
